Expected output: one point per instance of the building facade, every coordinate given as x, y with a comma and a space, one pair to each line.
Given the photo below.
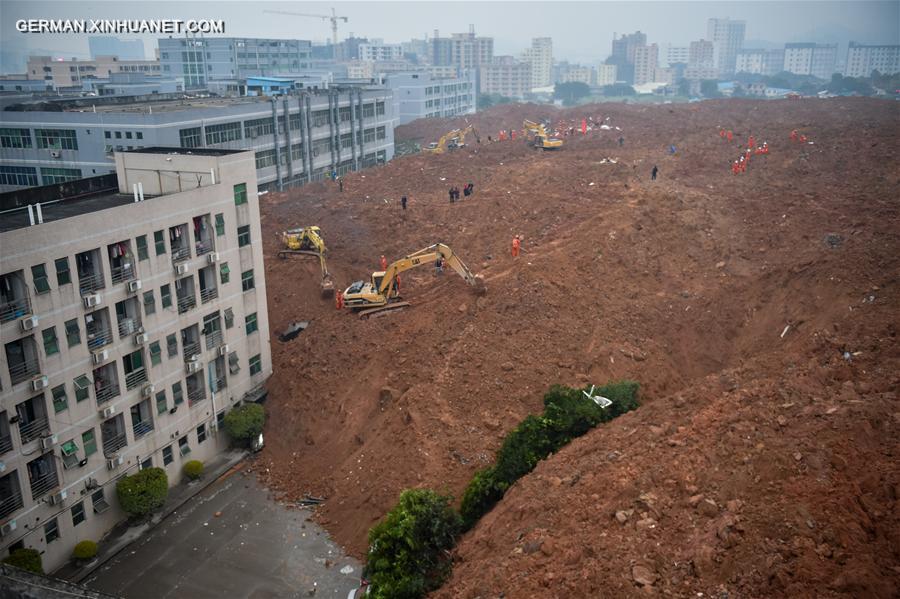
506, 76
296, 139
606, 74
578, 74
817, 60
540, 56
200, 60
701, 53
862, 60
727, 36
373, 51
622, 56
418, 95
645, 64
130, 328
71, 73
759, 62
677, 55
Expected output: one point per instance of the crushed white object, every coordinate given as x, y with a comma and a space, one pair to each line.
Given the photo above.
784, 332
597, 399
591, 183
606, 127
347, 570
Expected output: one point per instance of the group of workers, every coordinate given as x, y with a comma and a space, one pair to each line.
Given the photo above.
743, 161
468, 190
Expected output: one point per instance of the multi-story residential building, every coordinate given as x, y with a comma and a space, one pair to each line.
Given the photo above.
701, 72
380, 51
416, 49
701, 53
759, 62
540, 55
862, 60
506, 76
677, 55
199, 60
418, 95
622, 56
606, 74
296, 138
817, 60
727, 36
107, 45
70, 73
645, 64
133, 317
578, 74
462, 50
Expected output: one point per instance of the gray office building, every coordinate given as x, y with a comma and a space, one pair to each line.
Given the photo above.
200, 60
295, 139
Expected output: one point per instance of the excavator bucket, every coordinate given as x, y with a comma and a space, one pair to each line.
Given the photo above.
327, 287
479, 287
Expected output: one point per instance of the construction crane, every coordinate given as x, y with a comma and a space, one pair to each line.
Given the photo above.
333, 18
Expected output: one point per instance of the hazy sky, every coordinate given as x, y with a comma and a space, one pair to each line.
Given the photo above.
581, 31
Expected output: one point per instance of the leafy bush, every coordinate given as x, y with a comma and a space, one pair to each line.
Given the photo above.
193, 469
482, 494
143, 492
26, 559
246, 422
85, 550
408, 549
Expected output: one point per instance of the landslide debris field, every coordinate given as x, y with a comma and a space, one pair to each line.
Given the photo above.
759, 312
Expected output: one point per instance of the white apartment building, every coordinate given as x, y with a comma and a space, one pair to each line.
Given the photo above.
677, 55
578, 74
418, 95
760, 62
506, 76
540, 56
645, 63
862, 60
606, 74
727, 36
372, 51
133, 317
817, 60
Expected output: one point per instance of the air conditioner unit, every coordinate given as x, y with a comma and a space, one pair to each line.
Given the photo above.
213, 257
193, 367
49, 441
134, 285
147, 390
140, 339
39, 383
8, 528
114, 462
29, 323
100, 356
107, 411
180, 269
91, 300
223, 350
55, 154
58, 498
213, 426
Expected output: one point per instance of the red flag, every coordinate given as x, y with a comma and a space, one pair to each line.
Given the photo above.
583, 126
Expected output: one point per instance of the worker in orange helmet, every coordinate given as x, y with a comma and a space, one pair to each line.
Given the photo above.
729, 135
803, 139
765, 147
794, 135
751, 143
383, 262
339, 300
515, 246
721, 133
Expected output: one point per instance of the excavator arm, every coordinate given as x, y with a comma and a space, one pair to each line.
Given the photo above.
426, 256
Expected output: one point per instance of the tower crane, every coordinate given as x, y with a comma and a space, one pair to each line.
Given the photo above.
333, 18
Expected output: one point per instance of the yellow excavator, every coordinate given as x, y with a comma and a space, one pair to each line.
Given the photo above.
308, 241
381, 292
542, 139
452, 140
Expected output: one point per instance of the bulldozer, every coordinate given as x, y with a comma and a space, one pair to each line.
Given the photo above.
381, 293
308, 241
541, 139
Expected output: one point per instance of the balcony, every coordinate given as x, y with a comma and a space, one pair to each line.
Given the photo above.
33, 429
10, 502
213, 339
15, 308
90, 282
180, 254
104, 393
23, 370
113, 443
98, 337
123, 273
208, 294
135, 378
142, 428
220, 383
204, 246
186, 303
195, 395
6, 443
128, 326
43, 484
191, 349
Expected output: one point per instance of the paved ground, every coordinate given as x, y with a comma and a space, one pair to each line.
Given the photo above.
257, 548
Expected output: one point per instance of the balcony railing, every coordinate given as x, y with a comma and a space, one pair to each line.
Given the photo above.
114, 443
186, 303
34, 429
142, 428
6, 444
128, 326
98, 337
90, 282
204, 246
106, 393
10, 502
213, 339
220, 383
23, 370
195, 395
41, 485
191, 349
209, 294
135, 378
14, 309
180, 254
122, 273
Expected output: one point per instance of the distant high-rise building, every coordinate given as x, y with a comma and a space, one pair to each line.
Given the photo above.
606, 74
540, 55
701, 52
817, 60
506, 76
418, 48
727, 37
462, 50
372, 51
759, 62
677, 55
106, 45
862, 60
622, 56
645, 63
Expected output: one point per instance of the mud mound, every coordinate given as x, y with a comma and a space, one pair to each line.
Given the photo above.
727, 297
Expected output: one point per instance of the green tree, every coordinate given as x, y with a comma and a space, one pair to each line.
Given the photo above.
26, 559
85, 550
143, 492
245, 422
571, 92
709, 88
618, 89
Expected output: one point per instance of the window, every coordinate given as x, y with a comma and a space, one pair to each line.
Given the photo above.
59, 175
60, 401
15, 138
379, 108
369, 135
234, 366
172, 345
247, 280
183, 446
251, 324
220, 224
160, 242
161, 406
82, 386
142, 252
89, 442
149, 303
224, 273
78, 513
63, 276
22, 176
118, 135
240, 194
168, 458
380, 133
255, 365
51, 344
177, 396
106, 134
139, 135
73, 333
56, 139
128, 135
369, 109
243, 235
39, 273
201, 433
165, 296
220, 420
155, 353
190, 138
99, 500
51, 531
265, 158
217, 134
257, 127
229, 318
